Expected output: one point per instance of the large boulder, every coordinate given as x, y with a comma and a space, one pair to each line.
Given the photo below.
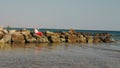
12, 31
17, 37
2, 41
49, 33
1, 34
41, 39
62, 37
108, 39
71, 38
81, 39
96, 39
71, 31
54, 38
7, 38
5, 31
90, 40
28, 36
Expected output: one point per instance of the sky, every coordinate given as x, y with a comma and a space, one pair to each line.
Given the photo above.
61, 14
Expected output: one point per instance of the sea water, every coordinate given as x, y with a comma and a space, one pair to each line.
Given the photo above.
62, 55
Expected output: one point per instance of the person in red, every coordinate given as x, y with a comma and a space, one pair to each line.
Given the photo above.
38, 32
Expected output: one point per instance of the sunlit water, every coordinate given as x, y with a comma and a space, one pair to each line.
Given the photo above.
63, 55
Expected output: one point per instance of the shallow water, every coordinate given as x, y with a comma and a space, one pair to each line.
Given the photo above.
63, 55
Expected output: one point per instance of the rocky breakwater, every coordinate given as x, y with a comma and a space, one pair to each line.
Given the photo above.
27, 36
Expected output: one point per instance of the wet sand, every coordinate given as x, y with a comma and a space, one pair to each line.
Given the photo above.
61, 55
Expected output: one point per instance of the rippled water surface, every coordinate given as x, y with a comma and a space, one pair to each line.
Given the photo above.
61, 55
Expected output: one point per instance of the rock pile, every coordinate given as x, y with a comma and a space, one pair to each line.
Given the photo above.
26, 36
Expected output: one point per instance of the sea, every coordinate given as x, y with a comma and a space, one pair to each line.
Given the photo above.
62, 55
